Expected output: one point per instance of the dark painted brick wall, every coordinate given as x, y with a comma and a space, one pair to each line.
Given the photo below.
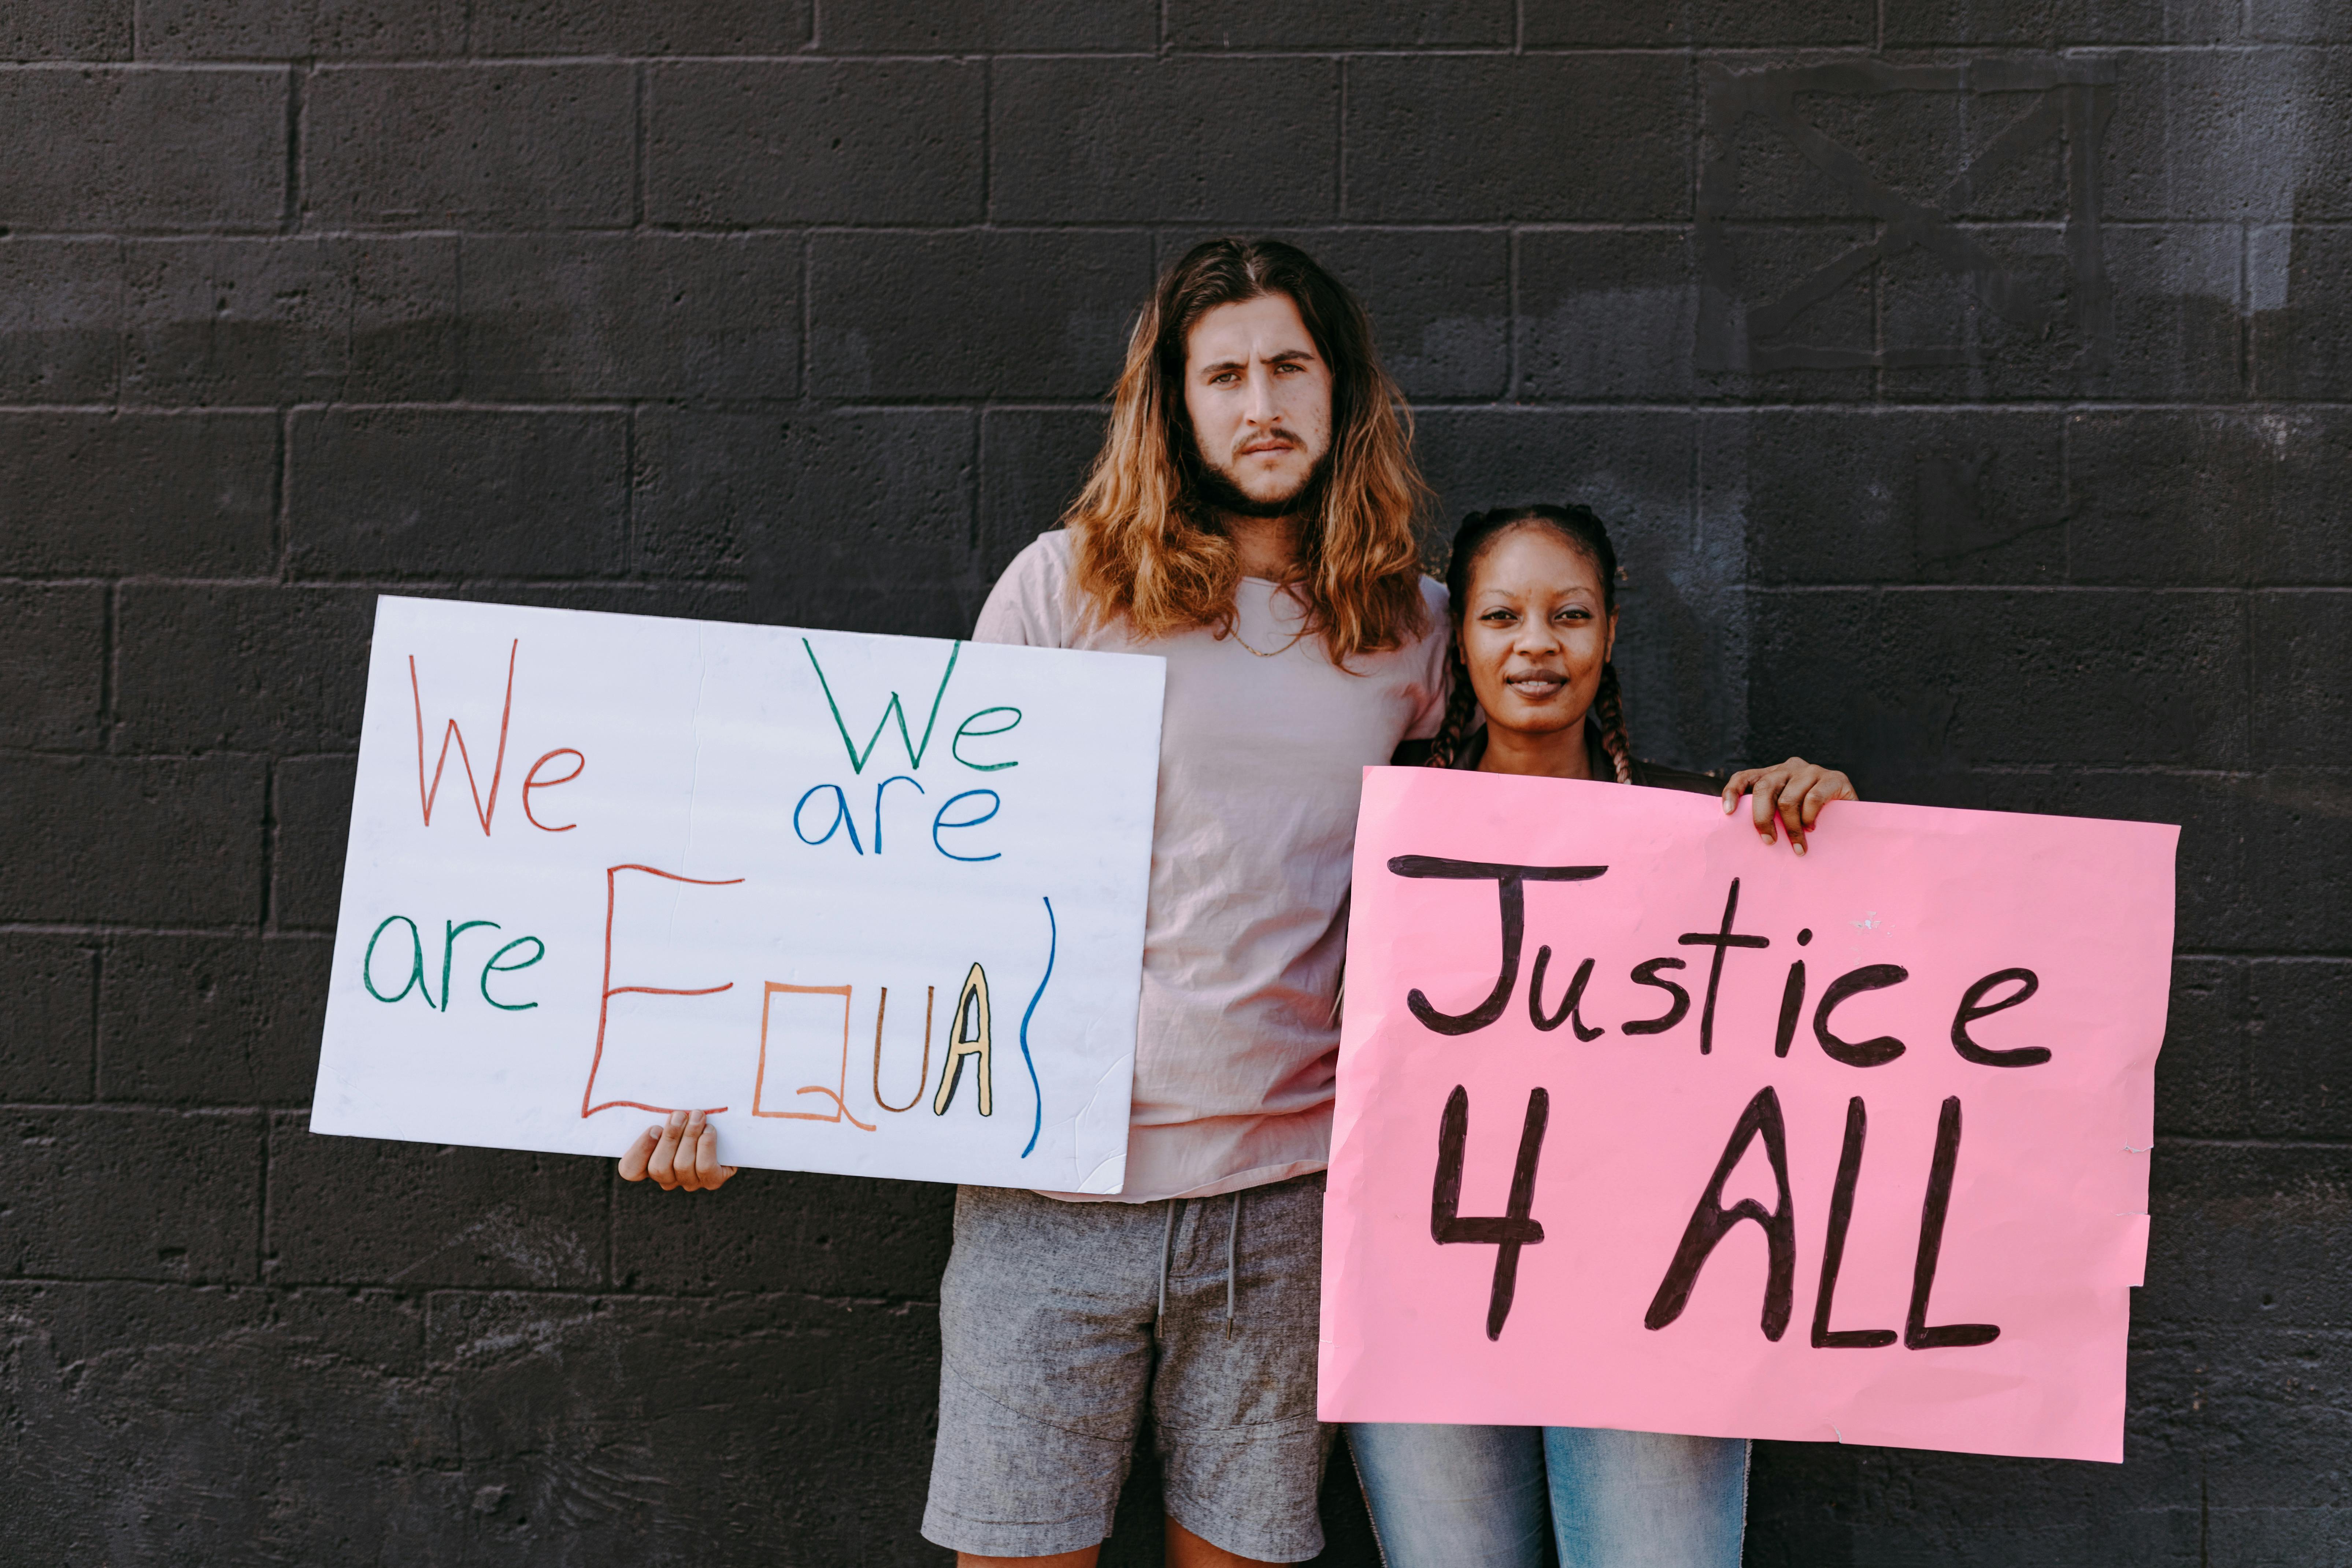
2001, 457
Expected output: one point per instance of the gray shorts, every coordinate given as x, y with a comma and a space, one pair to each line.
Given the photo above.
1058, 1321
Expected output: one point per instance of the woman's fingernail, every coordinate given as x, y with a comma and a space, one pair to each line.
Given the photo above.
1799, 846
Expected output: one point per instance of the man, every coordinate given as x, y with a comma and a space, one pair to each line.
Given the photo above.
1251, 520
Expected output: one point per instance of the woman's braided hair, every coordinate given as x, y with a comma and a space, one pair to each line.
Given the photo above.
1588, 536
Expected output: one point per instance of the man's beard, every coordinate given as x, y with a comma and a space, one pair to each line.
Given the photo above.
1217, 492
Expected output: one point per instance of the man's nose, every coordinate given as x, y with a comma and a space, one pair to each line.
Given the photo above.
1260, 408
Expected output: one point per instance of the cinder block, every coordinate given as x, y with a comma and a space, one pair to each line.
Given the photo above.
291, 319
47, 1027
52, 664
875, 529
211, 1020
975, 314
2299, 1013
2239, 1236
640, 27
361, 1211
2303, 699
1033, 463
2201, 1076
1726, 24
320, 29
2051, 24
775, 1382
2297, 22
114, 148
704, 484
83, 494
442, 492
811, 1235
1891, 496
2299, 864
2175, 313
1535, 138
1605, 315
1440, 301
1187, 139
130, 1195
263, 667
119, 840
473, 146
2302, 344
747, 142
990, 26
637, 315
1289, 25
1902, 681
67, 30
2254, 135
2210, 497
60, 320
1763, 338
311, 801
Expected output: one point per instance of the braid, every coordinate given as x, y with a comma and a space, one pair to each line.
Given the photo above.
1460, 700
1609, 710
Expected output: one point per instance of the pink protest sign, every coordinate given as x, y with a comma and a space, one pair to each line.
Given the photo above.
1643, 1123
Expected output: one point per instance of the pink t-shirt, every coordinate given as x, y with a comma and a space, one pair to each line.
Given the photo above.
1261, 757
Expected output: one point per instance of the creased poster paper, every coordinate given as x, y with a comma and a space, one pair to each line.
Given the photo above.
1644, 1125
875, 904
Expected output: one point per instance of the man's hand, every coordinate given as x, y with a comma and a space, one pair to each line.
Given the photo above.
681, 1153
1794, 791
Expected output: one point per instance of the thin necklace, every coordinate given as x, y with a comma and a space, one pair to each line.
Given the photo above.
1233, 628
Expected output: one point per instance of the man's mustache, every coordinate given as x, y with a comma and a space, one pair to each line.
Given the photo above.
1280, 437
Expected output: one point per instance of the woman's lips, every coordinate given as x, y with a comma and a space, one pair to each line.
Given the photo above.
1534, 687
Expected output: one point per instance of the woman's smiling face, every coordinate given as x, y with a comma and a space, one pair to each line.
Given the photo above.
1536, 630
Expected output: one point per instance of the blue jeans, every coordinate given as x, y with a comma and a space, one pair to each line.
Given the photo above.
1475, 1497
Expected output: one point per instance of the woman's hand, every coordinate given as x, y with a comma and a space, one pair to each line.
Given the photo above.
1795, 791
681, 1153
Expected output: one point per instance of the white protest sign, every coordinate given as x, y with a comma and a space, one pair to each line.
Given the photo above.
873, 903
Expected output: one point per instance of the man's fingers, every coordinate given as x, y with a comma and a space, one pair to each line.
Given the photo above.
689, 1163
633, 1162
661, 1166
706, 1160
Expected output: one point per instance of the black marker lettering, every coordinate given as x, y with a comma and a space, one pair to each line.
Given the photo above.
1646, 973
1514, 1229
1510, 882
1793, 1008
1869, 1053
1848, 1172
1568, 1004
1917, 1335
1721, 940
1972, 1009
1710, 1222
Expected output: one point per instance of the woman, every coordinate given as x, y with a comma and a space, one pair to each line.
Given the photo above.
1532, 594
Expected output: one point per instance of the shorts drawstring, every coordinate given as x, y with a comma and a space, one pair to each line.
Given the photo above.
1232, 1253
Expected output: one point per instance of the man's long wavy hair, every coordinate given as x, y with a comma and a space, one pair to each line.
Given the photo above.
1150, 552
